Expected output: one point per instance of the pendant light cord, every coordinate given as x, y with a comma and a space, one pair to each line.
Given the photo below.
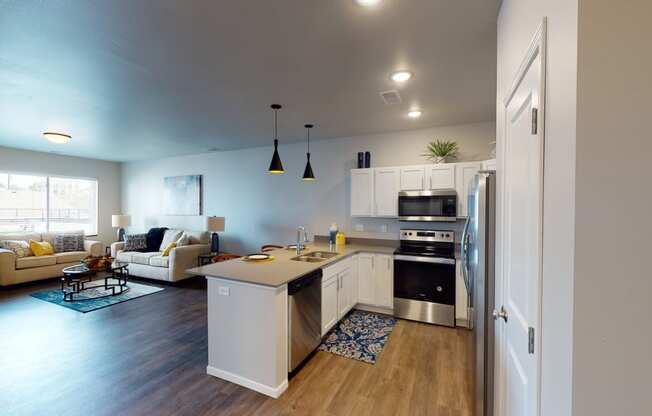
275, 128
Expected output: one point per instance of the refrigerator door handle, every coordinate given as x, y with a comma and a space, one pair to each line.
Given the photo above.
465, 255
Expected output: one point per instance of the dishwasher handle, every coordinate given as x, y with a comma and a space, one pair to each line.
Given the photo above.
304, 281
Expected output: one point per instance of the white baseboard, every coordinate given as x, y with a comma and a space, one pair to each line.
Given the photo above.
376, 309
464, 323
273, 392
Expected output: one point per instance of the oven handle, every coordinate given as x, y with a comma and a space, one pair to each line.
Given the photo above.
465, 255
420, 259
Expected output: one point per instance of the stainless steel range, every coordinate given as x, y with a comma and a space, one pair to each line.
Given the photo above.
424, 277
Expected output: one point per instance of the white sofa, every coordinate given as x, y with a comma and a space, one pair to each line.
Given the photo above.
27, 269
172, 268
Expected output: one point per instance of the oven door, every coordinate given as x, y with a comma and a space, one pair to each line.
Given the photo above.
437, 205
424, 289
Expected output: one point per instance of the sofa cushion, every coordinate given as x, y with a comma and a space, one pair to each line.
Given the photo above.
135, 242
126, 256
143, 258
35, 261
198, 237
49, 237
159, 261
41, 248
21, 236
64, 243
154, 238
70, 256
19, 247
170, 236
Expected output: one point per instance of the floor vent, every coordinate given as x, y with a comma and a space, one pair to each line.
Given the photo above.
391, 97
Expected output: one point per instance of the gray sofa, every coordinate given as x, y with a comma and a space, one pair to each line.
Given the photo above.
171, 268
15, 270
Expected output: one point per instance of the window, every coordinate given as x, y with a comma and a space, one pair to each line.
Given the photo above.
47, 203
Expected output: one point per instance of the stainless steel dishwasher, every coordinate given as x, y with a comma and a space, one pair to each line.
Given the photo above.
304, 317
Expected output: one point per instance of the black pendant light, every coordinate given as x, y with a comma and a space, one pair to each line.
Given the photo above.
308, 175
276, 166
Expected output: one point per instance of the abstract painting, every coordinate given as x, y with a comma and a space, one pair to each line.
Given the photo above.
182, 195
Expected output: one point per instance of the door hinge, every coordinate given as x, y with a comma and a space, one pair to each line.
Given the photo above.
535, 121
530, 343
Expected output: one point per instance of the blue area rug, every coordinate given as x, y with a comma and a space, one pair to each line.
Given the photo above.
360, 335
135, 290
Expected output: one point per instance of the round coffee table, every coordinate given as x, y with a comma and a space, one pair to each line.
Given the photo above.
75, 279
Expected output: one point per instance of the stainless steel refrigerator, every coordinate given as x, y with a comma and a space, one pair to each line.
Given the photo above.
478, 269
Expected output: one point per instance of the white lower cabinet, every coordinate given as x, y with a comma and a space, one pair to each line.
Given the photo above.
338, 293
384, 276
376, 280
366, 284
364, 278
328, 303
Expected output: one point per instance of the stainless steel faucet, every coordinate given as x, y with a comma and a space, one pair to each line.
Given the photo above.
300, 245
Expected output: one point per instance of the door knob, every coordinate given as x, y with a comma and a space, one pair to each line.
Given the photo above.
500, 314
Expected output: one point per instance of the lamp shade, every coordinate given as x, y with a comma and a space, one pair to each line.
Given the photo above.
120, 221
215, 224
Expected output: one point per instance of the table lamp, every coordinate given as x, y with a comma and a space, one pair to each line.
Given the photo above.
214, 225
120, 222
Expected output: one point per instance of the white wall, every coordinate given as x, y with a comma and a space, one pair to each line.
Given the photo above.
106, 173
262, 208
517, 23
612, 364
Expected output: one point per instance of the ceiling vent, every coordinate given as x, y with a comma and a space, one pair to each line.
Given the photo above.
391, 97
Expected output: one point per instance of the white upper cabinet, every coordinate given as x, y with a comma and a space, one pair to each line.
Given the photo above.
412, 178
362, 192
374, 191
464, 173
489, 164
441, 176
386, 187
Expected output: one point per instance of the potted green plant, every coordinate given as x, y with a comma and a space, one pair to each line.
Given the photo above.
440, 151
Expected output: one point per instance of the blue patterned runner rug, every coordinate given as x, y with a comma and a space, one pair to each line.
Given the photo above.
360, 335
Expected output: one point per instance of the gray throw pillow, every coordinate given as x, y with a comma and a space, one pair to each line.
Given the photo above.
135, 242
68, 242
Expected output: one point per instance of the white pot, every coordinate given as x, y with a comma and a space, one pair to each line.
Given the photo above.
440, 159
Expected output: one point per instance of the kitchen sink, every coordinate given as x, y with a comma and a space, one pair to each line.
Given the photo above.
322, 254
315, 256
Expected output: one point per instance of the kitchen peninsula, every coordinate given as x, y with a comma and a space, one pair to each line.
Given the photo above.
249, 312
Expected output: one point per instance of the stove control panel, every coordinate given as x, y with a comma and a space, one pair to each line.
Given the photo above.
428, 235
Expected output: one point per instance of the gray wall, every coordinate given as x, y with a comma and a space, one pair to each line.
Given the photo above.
106, 173
262, 208
517, 23
612, 367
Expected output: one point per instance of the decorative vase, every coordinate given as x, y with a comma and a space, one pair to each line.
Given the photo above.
440, 159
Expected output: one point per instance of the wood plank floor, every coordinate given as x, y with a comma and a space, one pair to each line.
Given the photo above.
148, 357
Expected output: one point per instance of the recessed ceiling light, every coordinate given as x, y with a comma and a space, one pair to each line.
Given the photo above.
58, 138
414, 114
367, 3
401, 76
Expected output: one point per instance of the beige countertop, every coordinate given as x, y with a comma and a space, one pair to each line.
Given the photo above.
281, 269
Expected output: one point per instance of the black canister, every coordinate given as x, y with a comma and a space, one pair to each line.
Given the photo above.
367, 159
360, 160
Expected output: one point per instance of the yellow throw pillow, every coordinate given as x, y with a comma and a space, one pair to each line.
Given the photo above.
41, 248
168, 248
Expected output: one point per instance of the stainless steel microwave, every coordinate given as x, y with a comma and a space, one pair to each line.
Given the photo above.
434, 205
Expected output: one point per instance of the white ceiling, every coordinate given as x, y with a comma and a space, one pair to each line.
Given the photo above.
136, 79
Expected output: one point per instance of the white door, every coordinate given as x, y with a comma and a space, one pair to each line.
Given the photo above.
442, 176
362, 192
366, 285
412, 178
386, 187
328, 304
518, 292
464, 174
384, 276
354, 281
